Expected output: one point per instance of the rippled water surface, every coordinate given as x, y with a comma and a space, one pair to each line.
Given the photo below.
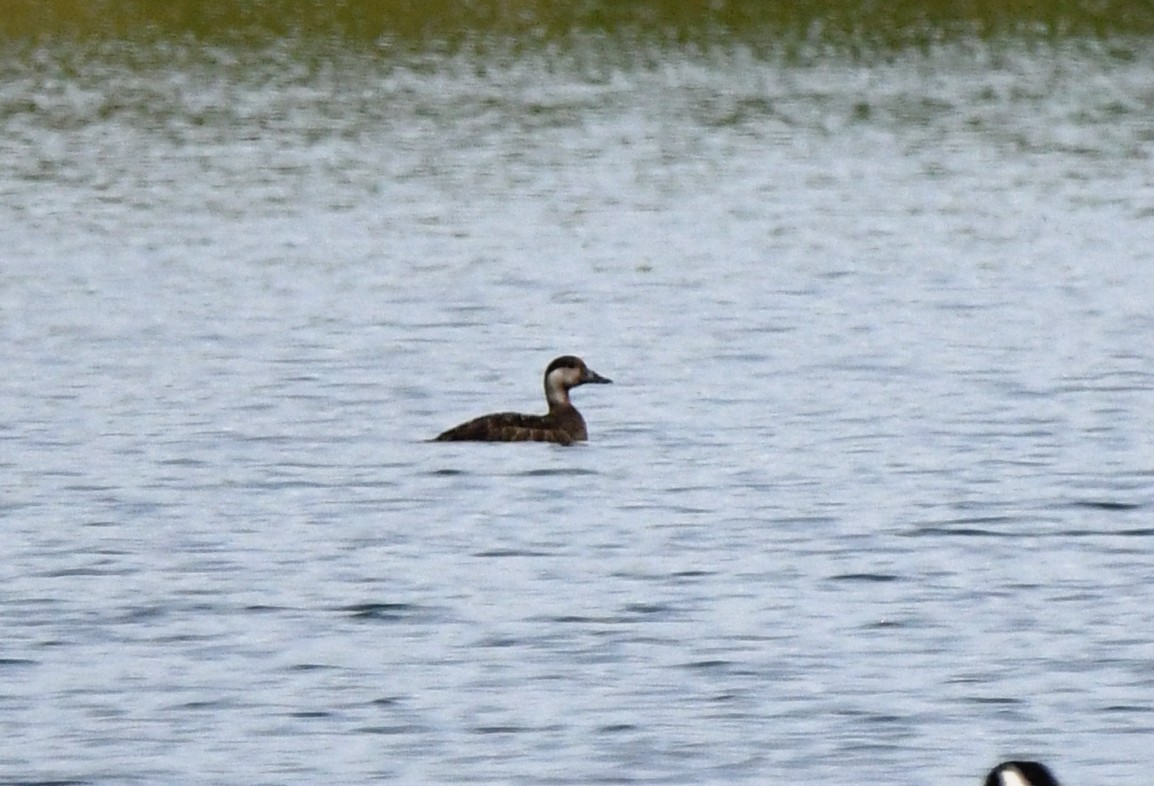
869, 501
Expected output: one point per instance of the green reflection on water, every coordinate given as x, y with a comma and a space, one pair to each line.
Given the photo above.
455, 23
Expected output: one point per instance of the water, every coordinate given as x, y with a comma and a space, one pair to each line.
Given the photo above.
869, 500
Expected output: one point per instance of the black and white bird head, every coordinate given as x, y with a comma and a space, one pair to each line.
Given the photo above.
1021, 773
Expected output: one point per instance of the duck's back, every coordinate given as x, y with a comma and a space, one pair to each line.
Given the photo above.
563, 428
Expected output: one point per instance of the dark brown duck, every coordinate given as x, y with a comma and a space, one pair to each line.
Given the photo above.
563, 424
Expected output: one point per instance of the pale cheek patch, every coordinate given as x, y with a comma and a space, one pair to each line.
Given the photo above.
558, 381
1011, 776
555, 379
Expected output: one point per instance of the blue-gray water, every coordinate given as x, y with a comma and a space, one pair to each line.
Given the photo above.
870, 500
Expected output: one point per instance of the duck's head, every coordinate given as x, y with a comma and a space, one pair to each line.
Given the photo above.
568, 371
1021, 773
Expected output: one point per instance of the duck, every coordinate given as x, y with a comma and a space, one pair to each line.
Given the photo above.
1021, 773
562, 425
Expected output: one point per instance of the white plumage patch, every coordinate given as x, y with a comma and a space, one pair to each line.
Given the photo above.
1012, 776
1021, 773
559, 380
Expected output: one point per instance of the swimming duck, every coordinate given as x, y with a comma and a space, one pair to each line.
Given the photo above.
1021, 773
563, 424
